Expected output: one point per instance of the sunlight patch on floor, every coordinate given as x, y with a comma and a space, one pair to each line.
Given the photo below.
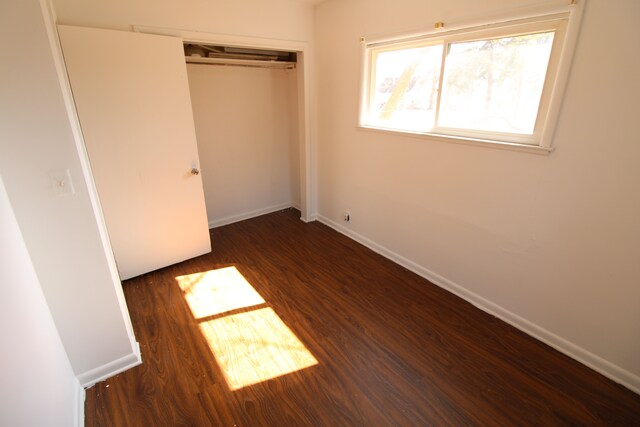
250, 346
255, 346
217, 291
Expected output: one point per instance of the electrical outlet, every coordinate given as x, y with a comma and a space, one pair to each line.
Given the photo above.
346, 216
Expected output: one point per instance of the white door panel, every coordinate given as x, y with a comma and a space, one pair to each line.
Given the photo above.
132, 97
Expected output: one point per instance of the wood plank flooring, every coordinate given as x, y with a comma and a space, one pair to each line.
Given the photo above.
391, 349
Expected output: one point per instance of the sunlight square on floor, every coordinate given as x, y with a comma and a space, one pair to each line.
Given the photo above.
255, 346
217, 291
248, 339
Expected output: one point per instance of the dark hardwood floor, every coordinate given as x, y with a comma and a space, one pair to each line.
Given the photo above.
379, 345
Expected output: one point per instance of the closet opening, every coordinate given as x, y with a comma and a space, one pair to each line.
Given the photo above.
227, 118
245, 111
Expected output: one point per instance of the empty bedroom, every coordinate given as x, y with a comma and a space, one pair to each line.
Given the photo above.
320, 213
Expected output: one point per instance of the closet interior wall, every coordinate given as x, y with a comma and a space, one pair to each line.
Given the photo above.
246, 127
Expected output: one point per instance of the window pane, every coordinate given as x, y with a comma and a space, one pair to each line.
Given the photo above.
496, 84
405, 88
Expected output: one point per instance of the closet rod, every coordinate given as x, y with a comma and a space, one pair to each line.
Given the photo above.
241, 62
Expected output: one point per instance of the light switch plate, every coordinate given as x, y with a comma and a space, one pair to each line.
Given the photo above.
61, 181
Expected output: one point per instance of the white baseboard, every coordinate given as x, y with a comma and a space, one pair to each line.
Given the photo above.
79, 402
246, 215
312, 218
101, 373
606, 368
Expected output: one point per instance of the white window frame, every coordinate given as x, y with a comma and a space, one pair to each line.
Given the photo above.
563, 19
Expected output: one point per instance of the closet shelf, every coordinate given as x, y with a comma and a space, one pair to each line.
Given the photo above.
241, 62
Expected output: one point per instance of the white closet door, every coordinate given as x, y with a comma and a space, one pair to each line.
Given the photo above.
132, 97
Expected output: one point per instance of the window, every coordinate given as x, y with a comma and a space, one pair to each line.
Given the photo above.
492, 84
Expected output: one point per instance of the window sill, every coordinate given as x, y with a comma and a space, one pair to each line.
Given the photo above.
499, 145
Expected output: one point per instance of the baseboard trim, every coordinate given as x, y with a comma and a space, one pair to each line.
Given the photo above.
79, 402
247, 215
597, 363
108, 370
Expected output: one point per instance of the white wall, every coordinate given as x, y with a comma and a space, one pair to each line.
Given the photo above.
294, 139
289, 20
549, 243
63, 234
244, 127
274, 19
38, 384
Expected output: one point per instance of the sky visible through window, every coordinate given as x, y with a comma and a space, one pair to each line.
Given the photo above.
488, 85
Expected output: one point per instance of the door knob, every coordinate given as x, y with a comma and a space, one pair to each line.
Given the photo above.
195, 171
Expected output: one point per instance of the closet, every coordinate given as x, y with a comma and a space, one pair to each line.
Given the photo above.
245, 112
137, 106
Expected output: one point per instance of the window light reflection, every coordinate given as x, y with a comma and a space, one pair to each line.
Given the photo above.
217, 291
255, 346
250, 346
